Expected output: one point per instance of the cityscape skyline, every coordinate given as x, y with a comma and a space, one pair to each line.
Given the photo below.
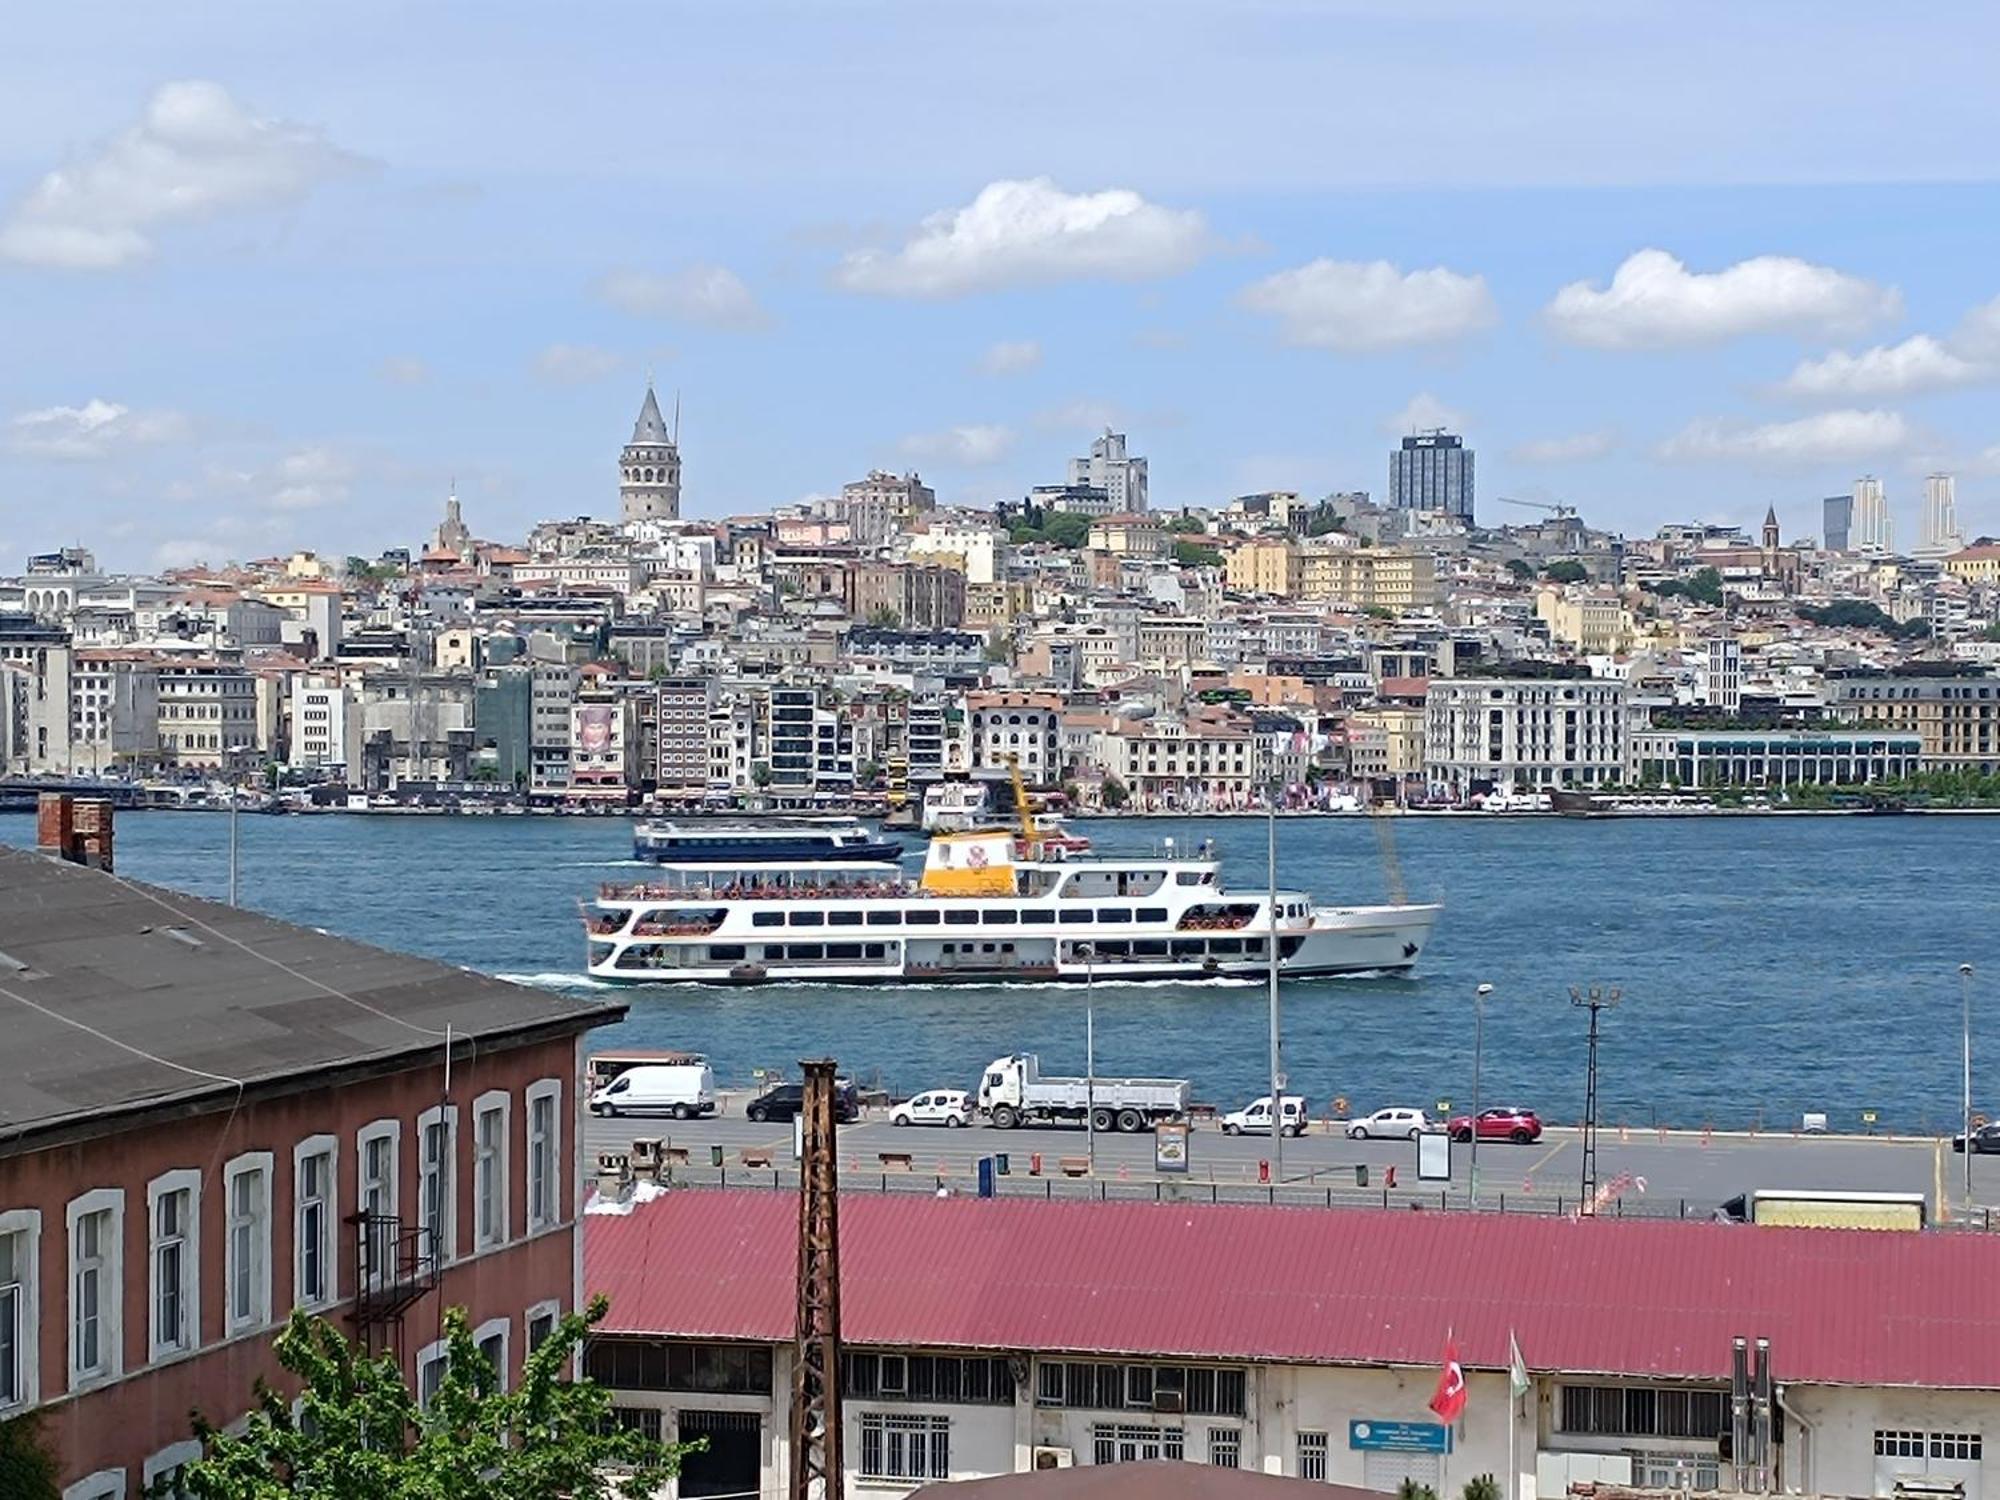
258, 310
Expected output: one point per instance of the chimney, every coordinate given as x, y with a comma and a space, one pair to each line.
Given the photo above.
76, 829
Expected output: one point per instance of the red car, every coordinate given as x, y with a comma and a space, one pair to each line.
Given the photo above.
1520, 1125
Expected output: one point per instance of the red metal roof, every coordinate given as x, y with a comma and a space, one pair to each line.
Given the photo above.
1622, 1297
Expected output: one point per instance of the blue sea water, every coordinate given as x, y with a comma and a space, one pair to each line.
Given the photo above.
1769, 966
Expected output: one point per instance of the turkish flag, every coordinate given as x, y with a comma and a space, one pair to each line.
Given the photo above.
1448, 1400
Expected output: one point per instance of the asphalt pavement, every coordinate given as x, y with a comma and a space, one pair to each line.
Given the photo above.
1647, 1172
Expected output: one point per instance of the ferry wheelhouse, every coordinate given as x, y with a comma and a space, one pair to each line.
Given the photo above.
989, 906
769, 840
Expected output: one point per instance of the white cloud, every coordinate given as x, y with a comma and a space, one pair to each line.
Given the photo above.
1358, 306
713, 296
1019, 233
1655, 302
1978, 334
574, 364
403, 369
97, 429
195, 152
1011, 357
306, 479
1918, 363
1565, 450
1424, 410
1827, 437
968, 447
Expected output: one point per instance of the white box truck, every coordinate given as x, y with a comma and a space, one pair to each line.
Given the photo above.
1012, 1091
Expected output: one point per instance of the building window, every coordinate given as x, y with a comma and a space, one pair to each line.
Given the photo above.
491, 1336
105, 1484
96, 1281
489, 1169
1642, 1411
247, 1252
174, 1278
315, 1210
1967, 1447
437, 1197
1225, 1447
1312, 1455
378, 1146
647, 1421
20, 1253
544, 1154
1200, 1389
164, 1468
657, 1365
541, 1324
431, 1362
1124, 1443
971, 1380
901, 1447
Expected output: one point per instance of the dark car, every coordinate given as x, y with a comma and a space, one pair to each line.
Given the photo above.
1985, 1140
1520, 1125
786, 1100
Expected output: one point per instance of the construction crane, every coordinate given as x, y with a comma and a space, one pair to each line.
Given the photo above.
1022, 809
1560, 512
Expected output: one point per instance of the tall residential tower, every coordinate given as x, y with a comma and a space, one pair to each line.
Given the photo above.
649, 470
1939, 533
1432, 471
1872, 529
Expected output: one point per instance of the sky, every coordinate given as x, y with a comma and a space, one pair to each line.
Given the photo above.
282, 276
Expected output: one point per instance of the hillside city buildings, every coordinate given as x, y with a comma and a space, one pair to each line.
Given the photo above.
855, 648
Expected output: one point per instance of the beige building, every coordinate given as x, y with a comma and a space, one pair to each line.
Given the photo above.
1386, 744
1264, 566
1129, 534
1595, 622
1978, 564
1368, 577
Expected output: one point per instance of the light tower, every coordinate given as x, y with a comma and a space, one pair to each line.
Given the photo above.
649, 470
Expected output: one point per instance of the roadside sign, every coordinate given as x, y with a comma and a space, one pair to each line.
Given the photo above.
1867, 1117
1444, 1106
1399, 1437
1434, 1157
1170, 1148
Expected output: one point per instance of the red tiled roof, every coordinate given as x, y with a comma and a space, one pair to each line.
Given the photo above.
1621, 1297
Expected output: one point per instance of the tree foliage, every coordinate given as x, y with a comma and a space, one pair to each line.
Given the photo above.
1568, 570
1115, 794
27, 1468
360, 1433
1861, 614
1194, 555
1481, 1487
1057, 528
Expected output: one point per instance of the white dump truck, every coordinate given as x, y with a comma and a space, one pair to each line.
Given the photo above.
1012, 1091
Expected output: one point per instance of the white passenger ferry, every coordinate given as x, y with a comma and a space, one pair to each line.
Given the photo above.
990, 906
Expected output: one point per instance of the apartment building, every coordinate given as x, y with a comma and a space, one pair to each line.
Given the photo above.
1197, 762
604, 745
208, 713
682, 764
1509, 735
179, 1174
114, 716
1953, 712
42, 655
1269, 566
1591, 621
1025, 727
326, 724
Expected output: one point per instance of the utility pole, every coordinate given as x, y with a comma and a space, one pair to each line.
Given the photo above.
1089, 953
816, 1472
1594, 999
1277, 1053
235, 791
1478, 1049
1965, 1046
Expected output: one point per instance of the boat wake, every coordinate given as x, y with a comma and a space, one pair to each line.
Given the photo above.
556, 980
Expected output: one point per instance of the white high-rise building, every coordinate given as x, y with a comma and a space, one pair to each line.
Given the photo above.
1108, 468
1872, 530
1939, 533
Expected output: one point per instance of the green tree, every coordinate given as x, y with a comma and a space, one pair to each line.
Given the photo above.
1115, 793
1481, 1487
27, 1468
996, 645
1194, 555
1409, 1489
1521, 570
884, 617
1186, 525
362, 1434
760, 775
1706, 587
1566, 571
1324, 521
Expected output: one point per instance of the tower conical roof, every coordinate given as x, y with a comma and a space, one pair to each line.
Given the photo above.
651, 427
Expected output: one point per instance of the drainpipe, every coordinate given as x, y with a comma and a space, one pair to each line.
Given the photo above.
1806, 1449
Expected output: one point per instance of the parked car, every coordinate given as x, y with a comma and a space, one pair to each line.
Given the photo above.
1390, 1123
682, 1090
1255, 1117
946, 1107
1503, 1124
786, 1100
1985, 1140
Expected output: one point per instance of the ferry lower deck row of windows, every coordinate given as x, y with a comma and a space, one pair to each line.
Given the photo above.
654, 955
958, 916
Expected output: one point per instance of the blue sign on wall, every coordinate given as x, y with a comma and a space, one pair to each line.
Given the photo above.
1399, 1437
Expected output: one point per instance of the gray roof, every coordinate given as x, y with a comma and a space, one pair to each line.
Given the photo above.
183, 999
650, 428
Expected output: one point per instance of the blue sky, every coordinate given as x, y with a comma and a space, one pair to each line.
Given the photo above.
297, 268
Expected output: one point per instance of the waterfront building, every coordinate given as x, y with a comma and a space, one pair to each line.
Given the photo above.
1955, 714
1110, 468
208, 713
1203, 1353
1432, 471
649, 468
1720, 681
604, 745
1523, 734
1939, 533
115, 710
325, 724
1773, 759
41, 654
179, 1174
681, 768
1873, 529
1019, 726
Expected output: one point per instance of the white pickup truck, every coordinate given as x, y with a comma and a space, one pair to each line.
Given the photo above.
1012, 1091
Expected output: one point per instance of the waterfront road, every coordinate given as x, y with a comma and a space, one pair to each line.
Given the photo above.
1653, 1173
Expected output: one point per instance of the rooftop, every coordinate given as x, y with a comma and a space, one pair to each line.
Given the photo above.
119, 997
1624, 1297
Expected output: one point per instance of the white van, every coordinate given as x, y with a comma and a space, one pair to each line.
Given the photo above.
683, 1090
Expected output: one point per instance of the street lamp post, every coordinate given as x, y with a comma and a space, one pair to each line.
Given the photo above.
1965, 1055
1478, 1049
1271, 959
1089, 1056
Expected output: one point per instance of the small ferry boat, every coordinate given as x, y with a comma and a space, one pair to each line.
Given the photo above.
765, 841
991, 906
956, 806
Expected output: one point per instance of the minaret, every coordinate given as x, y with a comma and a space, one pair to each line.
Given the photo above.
649, 470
